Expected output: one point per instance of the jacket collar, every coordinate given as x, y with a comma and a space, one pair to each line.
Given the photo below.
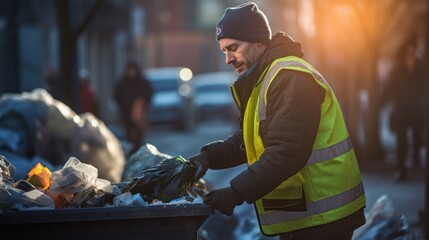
281, 45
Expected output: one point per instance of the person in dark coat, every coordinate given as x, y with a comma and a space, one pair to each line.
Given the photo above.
302, 175
133, 94
404, 90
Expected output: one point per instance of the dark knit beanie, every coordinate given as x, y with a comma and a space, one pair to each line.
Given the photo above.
244, 22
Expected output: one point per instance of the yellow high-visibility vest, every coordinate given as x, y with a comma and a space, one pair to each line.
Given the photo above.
329, 186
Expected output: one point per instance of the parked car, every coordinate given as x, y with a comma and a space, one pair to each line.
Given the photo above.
212, 96
172, 99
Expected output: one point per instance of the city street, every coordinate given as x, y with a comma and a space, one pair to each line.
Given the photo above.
80, 79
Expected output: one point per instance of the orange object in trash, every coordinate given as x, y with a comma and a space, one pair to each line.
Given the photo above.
40, 176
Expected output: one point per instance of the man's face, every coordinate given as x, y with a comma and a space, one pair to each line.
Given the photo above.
240, 54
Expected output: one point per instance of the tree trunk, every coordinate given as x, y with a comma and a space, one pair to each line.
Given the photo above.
373, 149
67, 63
69, 31
9, 57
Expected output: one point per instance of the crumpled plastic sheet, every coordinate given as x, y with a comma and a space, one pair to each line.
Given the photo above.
128, 199
76, 176
6, 169
14, 198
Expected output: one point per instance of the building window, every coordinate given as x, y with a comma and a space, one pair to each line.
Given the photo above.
208, 13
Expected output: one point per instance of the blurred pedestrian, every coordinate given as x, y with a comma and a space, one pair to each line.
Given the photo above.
133, 94
404, 91
88, 97
302, 175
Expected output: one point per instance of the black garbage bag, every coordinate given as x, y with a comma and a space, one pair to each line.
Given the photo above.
145, 157
170, 179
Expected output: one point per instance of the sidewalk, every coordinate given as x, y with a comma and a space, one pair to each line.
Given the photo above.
407, 197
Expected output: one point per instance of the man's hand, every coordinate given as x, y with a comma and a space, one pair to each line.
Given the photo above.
224, 200
202, 161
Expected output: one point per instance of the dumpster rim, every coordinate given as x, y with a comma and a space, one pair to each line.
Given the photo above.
105, 213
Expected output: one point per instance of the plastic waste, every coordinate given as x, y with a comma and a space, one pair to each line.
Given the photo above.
76, 183
82, 196
21, 195
383, 223
40, 177
23, 164
23, 185
168, 180
98, 200
14, 198
128, 199
73, 177
6, 169
145, 157
96, 145
35, 124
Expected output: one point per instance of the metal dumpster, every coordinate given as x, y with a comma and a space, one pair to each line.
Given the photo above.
179, 221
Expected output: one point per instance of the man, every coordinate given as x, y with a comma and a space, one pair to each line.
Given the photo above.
302, 174
405, 93
133, 94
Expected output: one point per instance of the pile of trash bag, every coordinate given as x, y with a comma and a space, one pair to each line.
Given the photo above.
159, 176
383, 223
35, 127
76, 185
165, 181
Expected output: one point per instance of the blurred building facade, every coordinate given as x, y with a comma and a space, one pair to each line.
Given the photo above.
156, 33
181, 33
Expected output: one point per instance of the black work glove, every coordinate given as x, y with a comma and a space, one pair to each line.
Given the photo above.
224, 200
202, 161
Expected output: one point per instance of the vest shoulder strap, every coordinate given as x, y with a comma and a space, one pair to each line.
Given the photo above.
292, 63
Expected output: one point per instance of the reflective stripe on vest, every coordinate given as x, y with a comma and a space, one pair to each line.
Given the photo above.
262, 111
330, 152
314, 207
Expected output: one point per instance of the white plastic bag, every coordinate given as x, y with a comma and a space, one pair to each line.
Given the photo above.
73, 177
382, 223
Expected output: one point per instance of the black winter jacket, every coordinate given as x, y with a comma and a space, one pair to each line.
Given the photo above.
293, 113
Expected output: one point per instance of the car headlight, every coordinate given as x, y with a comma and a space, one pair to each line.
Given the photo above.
185, 74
